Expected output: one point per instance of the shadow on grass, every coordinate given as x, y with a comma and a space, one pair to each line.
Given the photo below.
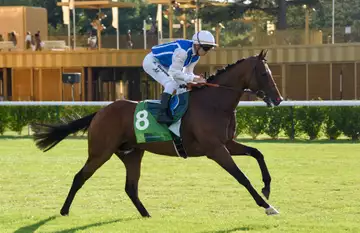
34, 227
85, 227
229, 230
240, 140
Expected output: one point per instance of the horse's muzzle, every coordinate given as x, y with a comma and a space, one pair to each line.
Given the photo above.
277, 100
272, 102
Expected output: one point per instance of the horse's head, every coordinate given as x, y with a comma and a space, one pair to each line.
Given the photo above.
261, 81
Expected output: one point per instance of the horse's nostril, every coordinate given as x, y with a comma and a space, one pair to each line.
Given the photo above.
278, 100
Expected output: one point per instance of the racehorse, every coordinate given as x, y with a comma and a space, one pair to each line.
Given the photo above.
207, 128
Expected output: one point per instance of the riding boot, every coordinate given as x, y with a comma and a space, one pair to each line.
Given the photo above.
163, 116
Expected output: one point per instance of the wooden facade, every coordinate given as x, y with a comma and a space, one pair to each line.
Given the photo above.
35, 84
301, 72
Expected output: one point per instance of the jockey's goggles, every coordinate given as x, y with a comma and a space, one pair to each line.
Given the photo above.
206, 47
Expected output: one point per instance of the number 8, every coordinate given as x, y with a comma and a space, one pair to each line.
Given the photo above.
141, 116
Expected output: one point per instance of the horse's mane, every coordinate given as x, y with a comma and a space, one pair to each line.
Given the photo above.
223, 70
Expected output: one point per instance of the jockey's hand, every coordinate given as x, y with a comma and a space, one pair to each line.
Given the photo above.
199, 79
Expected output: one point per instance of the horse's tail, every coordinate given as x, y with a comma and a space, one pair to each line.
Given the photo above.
47, 136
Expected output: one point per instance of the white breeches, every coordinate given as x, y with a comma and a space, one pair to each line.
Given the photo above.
159, 73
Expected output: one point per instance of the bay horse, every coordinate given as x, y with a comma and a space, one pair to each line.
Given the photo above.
207, 128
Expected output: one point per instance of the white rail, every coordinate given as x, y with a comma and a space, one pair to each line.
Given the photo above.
243, 103
306, 103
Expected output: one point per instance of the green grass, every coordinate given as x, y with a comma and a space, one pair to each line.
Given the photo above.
315, 187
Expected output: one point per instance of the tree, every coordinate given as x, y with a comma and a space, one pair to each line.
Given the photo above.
346, 13
276, 8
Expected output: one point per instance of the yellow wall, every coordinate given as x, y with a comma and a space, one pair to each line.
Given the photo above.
219, 57
296, 81
45, 84
348, 80
22, 19
37, 87
36, 19
21, 84
301, 73
11, 19
318, 81
51, 84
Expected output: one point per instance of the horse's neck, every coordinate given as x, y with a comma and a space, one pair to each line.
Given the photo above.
226, 99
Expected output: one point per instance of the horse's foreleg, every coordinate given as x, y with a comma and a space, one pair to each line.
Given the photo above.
236, 148
221, 155
132, 162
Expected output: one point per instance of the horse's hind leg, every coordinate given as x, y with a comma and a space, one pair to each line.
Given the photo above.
236, 148
132, 162
91, 165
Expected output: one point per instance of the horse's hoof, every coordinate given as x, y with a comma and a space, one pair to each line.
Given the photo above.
64, 213
271, 211
266, 192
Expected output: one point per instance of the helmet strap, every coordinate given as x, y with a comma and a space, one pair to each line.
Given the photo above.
197, 35
199, 43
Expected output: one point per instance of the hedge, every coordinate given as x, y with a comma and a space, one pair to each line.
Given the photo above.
291, 122
15, 118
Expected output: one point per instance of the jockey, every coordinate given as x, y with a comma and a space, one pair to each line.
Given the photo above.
172, 64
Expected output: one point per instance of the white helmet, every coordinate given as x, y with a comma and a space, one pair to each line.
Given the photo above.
204, 38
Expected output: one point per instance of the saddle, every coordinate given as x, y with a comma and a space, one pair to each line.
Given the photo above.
148, 130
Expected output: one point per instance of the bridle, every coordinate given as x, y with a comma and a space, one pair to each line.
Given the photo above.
259, 93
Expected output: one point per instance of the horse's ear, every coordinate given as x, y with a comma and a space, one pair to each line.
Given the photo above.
262, 54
